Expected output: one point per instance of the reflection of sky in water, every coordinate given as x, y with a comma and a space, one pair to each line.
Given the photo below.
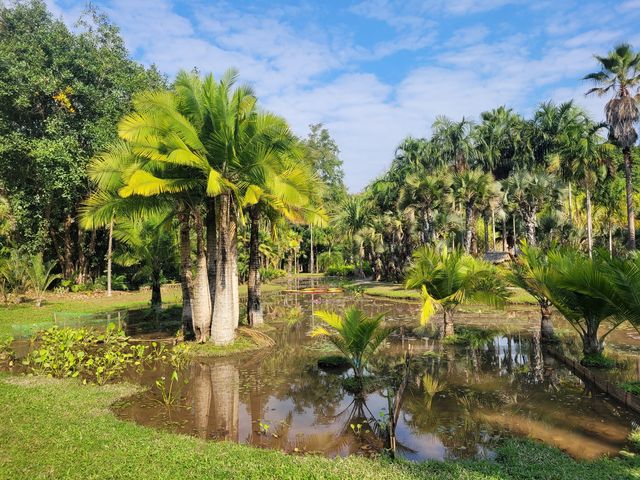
501, 386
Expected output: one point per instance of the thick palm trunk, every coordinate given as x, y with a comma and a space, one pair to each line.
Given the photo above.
468, 221
156, 293
224, 319
504, 234
202, 399
201, 293
448, 329
631, 219
591, 345
186, 276
546, 325
109, 258
530, 220
225, 399
211, 248
485, 221
589, 223
254, 305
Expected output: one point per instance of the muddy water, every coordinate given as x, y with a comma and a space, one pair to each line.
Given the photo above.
460, 400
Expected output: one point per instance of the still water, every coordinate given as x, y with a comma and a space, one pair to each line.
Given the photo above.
459, 402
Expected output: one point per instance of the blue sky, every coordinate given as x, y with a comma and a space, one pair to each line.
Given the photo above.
376, 71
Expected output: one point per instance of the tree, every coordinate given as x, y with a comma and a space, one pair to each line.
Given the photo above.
40, 276
530, 191
149, 244
585, 293
620, 74
450, 277
353, 217
609, 199
452, 142
472, 189
530, 272
61, 95
355, 334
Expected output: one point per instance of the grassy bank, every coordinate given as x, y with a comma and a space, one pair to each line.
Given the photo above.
76, 304
397, 292
63, 430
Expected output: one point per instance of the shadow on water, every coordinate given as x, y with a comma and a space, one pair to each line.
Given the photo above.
459, 402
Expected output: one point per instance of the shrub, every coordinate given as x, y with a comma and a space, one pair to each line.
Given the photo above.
598, 360
341, 271
328, 260
634, 438
632, 387
269, 274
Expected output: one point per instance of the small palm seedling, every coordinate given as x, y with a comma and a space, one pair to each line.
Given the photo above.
355, 334
40, 276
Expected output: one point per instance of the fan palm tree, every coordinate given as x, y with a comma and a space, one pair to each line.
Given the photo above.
530, 272
452, 142
449, 278
147, 243
584, 154
620, 74
355, 334
585, 293
472, 189
530, 191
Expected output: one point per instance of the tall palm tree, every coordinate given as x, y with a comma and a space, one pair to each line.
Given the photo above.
452, 142
620, 74
353, 217
530, 191
584, 154
449, 278
472, 190
609, 199
530, 272
496, 141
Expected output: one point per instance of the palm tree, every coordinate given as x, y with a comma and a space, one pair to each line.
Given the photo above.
449, 278
472, 190
530, 272
496, 141
40, 276
584, 156
530, 191
355, 334
620, 74
146, 243
585, 293
425, 194
608, 199
354, 215
452, 142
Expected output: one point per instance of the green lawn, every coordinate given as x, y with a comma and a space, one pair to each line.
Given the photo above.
61, 429
395, 291
70, 305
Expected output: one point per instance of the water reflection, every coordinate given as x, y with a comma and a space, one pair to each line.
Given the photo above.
459, 401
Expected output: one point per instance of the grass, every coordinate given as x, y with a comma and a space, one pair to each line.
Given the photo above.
70, 305
206, 350
632, 387
395, 291
63, 430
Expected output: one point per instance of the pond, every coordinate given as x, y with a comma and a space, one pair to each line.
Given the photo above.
460, 400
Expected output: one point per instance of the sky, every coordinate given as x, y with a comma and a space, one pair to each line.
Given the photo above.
374, 72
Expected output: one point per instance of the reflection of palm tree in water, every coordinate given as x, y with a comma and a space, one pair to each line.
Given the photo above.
216, 399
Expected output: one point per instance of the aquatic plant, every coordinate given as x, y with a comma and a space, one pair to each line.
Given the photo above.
448, 278
355, 334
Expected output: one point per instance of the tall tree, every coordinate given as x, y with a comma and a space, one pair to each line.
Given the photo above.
619, 75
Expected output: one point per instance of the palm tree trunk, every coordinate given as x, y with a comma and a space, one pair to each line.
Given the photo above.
211, 248
546, 325
201, 292
504, 233
448, 329
589, 224
254, 305
570, 204
202, 399
186, 276
631, 220
610, 241
467, 228
156, 292
531, 228
224, 321
515, 235
493, 230
110, 258
485, 221
311, 254
591, 345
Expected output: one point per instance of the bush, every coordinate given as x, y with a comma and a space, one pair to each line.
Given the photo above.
634, 438
269, 274
598, 360
93, 356
631, 387
328, 260
341, 271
